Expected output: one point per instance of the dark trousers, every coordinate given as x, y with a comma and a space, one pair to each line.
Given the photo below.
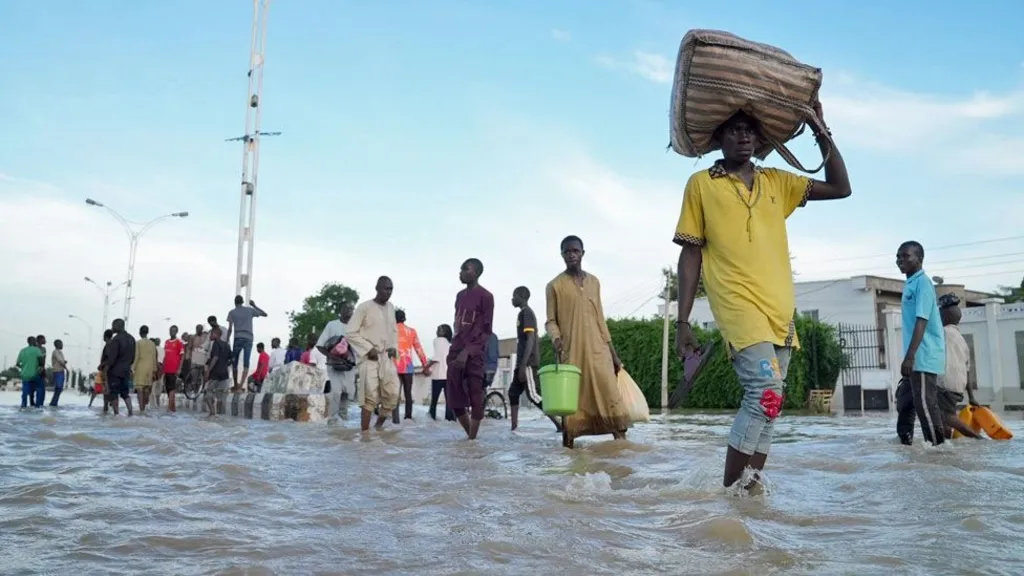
436, 387
40, 391
406, 382
917, 396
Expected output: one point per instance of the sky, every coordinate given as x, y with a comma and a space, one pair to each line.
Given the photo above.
418, 134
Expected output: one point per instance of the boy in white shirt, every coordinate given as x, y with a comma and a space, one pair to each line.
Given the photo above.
952, 385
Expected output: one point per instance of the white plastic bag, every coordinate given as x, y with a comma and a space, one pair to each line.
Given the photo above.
636, 403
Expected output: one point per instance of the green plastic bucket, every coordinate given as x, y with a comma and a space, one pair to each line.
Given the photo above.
560, 389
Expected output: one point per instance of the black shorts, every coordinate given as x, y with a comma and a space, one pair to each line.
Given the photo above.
948, 400
170, 383
531, 386
117, 387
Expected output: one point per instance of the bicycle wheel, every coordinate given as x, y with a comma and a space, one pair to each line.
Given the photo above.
193, 386
494, 405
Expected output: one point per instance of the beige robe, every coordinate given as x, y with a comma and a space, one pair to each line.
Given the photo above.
575, 315
144, 367
373, 327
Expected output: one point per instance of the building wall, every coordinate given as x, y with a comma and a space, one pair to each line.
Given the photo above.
835, 301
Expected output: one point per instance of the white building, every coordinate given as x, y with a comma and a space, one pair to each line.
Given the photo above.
856, 301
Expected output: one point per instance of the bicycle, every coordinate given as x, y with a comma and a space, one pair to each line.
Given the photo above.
194, 384
495, 405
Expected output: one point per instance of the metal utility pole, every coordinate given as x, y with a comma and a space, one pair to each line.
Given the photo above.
106, 290
89, 328
133, 246
251, 150
664, 349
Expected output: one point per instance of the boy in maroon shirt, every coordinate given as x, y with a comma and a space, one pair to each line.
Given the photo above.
474, 311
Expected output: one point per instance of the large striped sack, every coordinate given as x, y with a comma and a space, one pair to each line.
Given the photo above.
719, 74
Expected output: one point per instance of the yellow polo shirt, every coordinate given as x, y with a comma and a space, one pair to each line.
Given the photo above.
742, 236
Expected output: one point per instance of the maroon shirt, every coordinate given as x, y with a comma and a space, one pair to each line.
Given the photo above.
474, 312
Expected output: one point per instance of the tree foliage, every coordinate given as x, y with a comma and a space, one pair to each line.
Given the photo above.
815, 365
319, 309
672, 279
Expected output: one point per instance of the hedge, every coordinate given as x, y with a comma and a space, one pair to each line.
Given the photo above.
816, 365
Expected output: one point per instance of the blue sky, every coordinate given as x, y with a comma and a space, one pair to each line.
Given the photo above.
417, 134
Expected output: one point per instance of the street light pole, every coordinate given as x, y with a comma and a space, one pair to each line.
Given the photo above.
105, 290
251, 150
133, 240
89, 328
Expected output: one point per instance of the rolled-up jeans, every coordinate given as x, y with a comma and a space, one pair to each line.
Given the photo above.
761, 369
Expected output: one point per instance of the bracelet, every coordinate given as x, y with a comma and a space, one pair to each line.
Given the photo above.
678, 322
818, 135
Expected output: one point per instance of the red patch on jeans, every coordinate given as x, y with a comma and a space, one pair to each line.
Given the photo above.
771, 402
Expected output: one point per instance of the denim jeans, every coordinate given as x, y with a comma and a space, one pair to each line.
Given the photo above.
28, 388
58, 387
40, 389
761, 369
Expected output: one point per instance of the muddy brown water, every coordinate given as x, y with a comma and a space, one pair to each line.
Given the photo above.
181, 494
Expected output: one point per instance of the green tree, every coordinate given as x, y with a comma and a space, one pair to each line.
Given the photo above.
673, 285
1012, 293
319, 309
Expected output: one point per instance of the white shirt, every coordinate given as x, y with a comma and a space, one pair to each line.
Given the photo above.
958, 361
160, 354
333, 329
277, 358
317, 358
440, 370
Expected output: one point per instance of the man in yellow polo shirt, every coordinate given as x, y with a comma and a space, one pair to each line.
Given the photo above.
733, 227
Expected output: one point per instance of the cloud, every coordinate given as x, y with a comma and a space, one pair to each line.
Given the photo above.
560, 35
653, 67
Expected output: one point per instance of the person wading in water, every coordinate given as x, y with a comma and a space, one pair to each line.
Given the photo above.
579, 335
474, 314
733, 227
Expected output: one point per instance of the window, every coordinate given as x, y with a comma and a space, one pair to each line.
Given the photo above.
972, 374
1018, 337
812, 314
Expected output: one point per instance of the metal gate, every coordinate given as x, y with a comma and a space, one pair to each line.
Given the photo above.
864, 349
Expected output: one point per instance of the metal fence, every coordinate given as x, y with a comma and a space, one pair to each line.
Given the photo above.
864, 349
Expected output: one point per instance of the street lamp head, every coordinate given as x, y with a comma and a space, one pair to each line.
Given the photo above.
87, 279
180, 214
92, 202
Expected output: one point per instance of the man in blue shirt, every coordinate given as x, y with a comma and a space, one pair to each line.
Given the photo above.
924, 344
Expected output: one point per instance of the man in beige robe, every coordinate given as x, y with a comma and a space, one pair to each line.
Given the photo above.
373, 336
579, 333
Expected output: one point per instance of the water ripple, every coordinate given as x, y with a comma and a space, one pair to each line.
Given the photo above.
180, 494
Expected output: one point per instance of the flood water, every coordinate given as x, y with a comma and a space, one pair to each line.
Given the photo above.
182, 494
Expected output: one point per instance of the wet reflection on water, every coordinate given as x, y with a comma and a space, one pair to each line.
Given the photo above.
181, 494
